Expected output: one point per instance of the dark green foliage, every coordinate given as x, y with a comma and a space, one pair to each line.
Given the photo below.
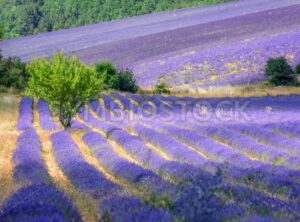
127, 82
13, 73
113, 78
298, 69
1, 31
279, 72
109, 74
162, 88
25, 17
65, 83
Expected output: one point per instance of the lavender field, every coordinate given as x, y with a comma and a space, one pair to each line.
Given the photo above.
130, 157
218, 45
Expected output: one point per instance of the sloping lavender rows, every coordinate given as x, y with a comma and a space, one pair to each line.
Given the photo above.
25, 114
89, 118
83, 175
290, 128
206, 145
136, 148
46, 121
122, 168
250, 147
263, 176
127, 104
175, 149
110, 104
142, 102
267, 136
99, 109
29, 164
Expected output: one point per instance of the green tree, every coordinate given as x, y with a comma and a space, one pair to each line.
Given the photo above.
65, 83
279, 72
13, 73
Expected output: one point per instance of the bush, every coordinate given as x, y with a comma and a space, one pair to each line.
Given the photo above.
13, 73
113, 78
108, 73
66, 84
127, 82
298, 69
162, 88
279, 72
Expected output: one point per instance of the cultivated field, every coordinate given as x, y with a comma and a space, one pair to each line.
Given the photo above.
127, 155
225, 44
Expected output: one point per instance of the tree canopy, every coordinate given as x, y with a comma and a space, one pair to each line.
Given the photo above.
65, 83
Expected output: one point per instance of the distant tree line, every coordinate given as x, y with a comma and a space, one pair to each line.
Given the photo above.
26, 17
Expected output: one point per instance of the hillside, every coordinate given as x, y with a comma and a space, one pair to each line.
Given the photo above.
28, 17
188, 48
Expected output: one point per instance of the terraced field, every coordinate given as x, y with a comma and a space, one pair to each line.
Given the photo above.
225, 44
130, 157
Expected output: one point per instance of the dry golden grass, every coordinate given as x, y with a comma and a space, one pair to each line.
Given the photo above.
260, 89
8, 138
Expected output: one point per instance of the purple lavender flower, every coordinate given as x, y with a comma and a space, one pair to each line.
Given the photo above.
29, 164
39, 203
25, 114
123, 209
46, 120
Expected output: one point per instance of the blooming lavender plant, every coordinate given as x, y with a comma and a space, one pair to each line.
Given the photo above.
123, 209
25, 114
29, 164
45, 117
39, 203
251, 147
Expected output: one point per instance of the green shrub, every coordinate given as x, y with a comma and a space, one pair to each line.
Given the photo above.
127, 82
298, 69
13, 73
108, 73
65, 83
113, 78
279, 72
162, 88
